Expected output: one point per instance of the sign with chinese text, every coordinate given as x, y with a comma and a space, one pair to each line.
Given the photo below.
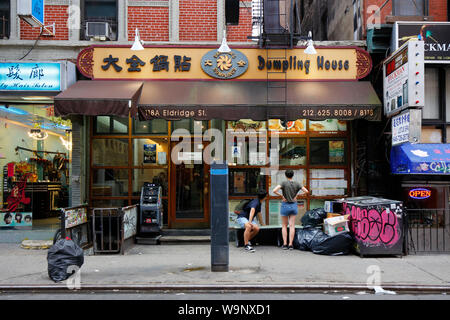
205, 63
407, 127
436, 36
404, 78
30, 76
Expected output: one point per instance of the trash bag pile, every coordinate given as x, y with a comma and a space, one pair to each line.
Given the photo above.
315, 240
312, 238
314, 217
63, 258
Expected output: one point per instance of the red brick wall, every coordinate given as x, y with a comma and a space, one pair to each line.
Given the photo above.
240, 32
152, 22
57, 14
438, 10
198, 20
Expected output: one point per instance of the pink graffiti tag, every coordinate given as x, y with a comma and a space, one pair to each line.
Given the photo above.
372, 227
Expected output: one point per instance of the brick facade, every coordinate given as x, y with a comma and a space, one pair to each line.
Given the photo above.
152, 22
57, 14
198, 20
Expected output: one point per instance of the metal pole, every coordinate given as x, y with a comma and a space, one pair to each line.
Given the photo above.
219, 217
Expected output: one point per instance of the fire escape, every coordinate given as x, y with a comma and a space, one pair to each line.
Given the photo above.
275, 24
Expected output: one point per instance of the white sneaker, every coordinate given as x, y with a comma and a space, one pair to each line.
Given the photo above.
249, 248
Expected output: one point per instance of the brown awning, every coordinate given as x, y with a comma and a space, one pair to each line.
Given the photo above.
259, 100
99, 98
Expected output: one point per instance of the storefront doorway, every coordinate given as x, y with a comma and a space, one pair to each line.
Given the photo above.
189, 194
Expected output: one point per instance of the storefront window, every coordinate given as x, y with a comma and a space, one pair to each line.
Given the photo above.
292, 151
109, 203
157, 176
110, 125
246, 142
155, 126
431, 135
110, 182
190, 125
150, 152
277, 177
324, 151
246, 181
110, 152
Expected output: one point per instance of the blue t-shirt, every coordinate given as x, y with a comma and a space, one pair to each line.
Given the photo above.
245, 213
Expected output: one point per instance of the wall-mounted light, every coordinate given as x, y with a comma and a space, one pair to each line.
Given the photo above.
310, 45
137, 45
224, 46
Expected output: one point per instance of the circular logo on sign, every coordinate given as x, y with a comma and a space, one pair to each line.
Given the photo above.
224, 65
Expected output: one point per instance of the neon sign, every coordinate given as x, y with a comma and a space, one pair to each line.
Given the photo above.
420, 193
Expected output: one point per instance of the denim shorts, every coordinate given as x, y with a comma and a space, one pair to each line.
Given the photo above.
288, 209
242, 221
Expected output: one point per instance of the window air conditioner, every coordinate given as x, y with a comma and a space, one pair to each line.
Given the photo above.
98, 30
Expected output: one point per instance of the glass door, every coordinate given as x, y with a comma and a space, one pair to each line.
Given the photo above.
190, 189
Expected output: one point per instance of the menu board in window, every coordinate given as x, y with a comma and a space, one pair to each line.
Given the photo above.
246, 125
328, 182
287, 127
328, 126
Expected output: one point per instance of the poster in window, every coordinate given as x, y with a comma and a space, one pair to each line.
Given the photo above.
16, 219
330, 125
336, 151
149, 153
246, 125
281, 126
239, 182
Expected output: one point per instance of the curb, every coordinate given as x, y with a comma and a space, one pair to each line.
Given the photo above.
196, 288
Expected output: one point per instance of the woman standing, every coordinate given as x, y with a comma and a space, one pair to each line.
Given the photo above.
289, 210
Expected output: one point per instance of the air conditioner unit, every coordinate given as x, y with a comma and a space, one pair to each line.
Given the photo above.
98, 30
31, 11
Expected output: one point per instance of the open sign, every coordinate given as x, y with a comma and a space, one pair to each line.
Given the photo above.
420, 193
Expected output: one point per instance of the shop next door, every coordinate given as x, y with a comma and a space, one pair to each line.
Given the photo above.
189, 191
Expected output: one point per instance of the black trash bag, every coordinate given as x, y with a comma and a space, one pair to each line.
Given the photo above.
303, 238
314, 217
340, 244
63, 254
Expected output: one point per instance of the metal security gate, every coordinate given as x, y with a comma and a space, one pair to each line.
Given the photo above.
107, 230
428, 231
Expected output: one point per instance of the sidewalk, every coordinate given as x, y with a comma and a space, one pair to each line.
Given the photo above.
190, 265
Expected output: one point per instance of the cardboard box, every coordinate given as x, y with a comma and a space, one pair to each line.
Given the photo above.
336, 225
333, 215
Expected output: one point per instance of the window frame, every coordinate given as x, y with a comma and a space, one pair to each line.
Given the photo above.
6, 22
114, 24
397, 3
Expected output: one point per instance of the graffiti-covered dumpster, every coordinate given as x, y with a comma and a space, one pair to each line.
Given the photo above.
376, 224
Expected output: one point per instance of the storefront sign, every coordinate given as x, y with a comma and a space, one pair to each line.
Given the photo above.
419, 193
341, 63
436, 36
404, 78
258, 113
26, 76
224, 65
407, 127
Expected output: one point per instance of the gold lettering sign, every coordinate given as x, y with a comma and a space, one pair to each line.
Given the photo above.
178, 63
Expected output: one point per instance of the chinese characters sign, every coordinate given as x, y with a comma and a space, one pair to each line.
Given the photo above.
18, 76
206, 63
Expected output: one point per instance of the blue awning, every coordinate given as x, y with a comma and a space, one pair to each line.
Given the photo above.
419, 158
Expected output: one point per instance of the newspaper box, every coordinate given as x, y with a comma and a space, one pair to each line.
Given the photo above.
336, 225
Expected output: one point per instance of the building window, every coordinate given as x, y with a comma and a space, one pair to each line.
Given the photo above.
4, 19
99, 20
431, 134
110, 125
409, 7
